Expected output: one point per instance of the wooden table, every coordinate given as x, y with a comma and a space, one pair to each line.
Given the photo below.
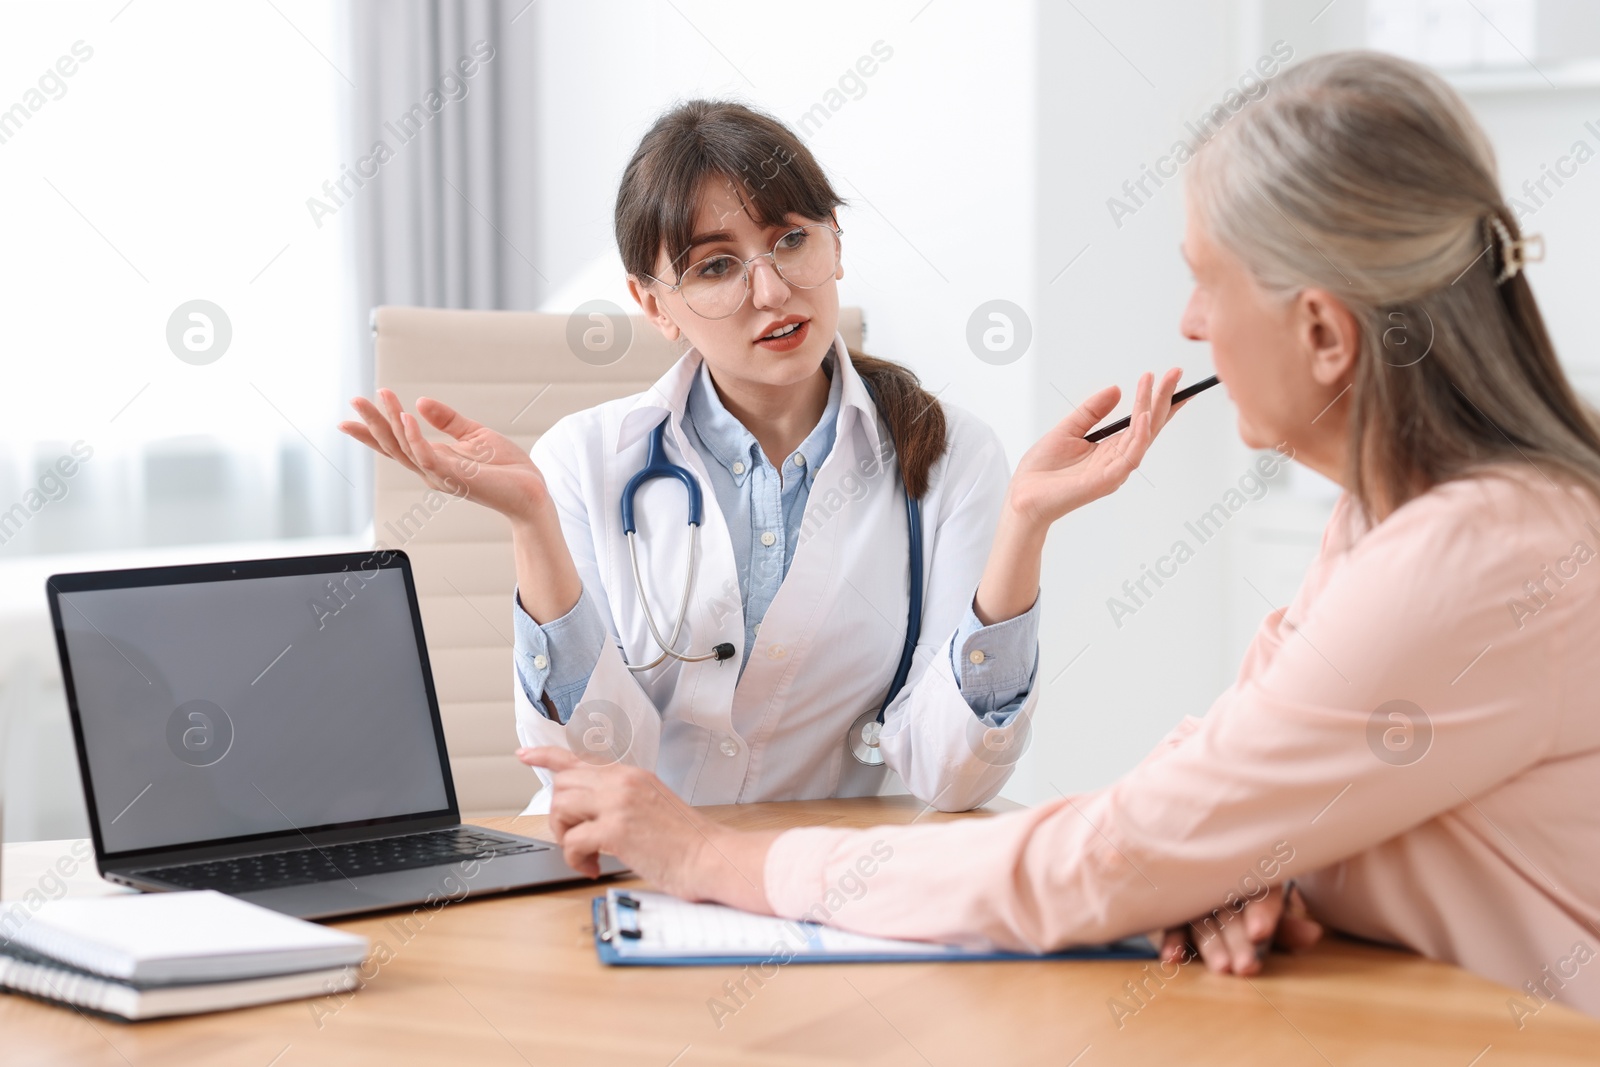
513, 980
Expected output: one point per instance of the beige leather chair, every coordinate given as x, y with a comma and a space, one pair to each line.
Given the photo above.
513, 371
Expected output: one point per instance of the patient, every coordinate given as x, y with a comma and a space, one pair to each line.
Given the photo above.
1415, 740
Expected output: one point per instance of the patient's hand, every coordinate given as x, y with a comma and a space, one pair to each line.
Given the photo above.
1232, 942
629, 813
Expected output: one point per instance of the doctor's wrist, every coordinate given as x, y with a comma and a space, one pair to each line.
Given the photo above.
1020, 525
1010, 582
1019, 536
534, 513
547, 579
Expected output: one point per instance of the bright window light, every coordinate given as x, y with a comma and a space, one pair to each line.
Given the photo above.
156, 156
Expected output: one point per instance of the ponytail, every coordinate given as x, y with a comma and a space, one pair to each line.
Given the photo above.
916, 420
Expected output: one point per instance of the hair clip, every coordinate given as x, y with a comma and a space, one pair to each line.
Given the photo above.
1515, 253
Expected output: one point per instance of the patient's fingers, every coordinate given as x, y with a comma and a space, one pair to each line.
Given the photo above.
572, 807
549, 757
1298, 931
1261, 916
1226, 948
581, 849
1209, 945
1174, 946
1242, 957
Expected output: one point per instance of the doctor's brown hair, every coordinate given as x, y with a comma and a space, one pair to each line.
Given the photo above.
775, 176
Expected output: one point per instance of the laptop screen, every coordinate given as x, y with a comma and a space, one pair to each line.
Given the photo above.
257, 704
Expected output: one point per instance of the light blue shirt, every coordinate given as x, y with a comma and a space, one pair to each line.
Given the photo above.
758, 500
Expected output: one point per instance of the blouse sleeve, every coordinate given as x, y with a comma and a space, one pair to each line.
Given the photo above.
1402, 689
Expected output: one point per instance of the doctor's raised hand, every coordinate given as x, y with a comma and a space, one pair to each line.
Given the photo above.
485, 467
1061, 473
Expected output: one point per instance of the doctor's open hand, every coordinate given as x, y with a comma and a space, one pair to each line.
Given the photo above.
1060, 473
628, 812
488, 468
1063, 471
477, 464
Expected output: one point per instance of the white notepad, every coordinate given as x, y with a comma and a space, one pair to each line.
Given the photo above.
172, 938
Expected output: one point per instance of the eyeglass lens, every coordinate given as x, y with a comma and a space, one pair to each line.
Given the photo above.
716, 286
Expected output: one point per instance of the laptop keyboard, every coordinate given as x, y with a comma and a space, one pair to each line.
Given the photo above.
305, 866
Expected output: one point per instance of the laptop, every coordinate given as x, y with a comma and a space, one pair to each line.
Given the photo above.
269, 729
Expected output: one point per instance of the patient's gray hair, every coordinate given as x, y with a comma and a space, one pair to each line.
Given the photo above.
1365, 175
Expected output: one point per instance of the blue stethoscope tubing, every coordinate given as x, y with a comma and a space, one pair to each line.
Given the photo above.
862, 741
914, 611
657, 465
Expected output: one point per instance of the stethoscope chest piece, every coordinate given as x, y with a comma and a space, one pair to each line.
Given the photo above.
864, 734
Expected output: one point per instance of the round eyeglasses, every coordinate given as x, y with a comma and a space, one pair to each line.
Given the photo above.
716, 287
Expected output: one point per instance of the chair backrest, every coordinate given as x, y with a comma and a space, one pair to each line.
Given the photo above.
518, 373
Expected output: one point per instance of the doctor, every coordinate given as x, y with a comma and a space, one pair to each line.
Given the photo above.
743, 645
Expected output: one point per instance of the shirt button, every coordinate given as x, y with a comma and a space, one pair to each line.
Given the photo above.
799, 460
976, 656
738, 468
729, 747
541, 662
776, 652
768, 539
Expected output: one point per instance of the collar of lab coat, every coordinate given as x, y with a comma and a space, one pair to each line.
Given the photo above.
670, 394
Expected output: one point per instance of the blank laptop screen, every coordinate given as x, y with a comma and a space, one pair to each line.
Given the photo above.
213, 710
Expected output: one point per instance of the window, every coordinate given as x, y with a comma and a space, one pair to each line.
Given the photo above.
154, 156
1452, 35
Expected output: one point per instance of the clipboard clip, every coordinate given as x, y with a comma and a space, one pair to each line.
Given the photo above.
622, 917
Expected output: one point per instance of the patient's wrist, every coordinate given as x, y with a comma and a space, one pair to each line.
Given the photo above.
732, 868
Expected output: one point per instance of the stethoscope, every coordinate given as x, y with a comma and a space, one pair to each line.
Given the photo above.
862, 740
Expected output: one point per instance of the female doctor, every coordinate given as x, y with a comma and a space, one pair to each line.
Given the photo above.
743, 647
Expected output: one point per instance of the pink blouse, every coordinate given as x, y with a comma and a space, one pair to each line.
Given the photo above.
1415, 741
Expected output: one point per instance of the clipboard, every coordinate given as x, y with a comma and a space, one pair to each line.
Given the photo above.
637, 929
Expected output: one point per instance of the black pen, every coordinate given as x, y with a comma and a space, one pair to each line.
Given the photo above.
1122, 424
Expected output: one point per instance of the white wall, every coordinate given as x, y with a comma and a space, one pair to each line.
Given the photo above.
1113, 96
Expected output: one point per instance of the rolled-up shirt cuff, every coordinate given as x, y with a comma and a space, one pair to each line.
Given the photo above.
997, 665
557, 659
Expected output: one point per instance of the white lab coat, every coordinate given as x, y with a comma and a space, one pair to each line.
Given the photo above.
830, 641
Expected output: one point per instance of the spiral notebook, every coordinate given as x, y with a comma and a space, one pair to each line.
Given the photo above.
43, 978
170, 938
656, 930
